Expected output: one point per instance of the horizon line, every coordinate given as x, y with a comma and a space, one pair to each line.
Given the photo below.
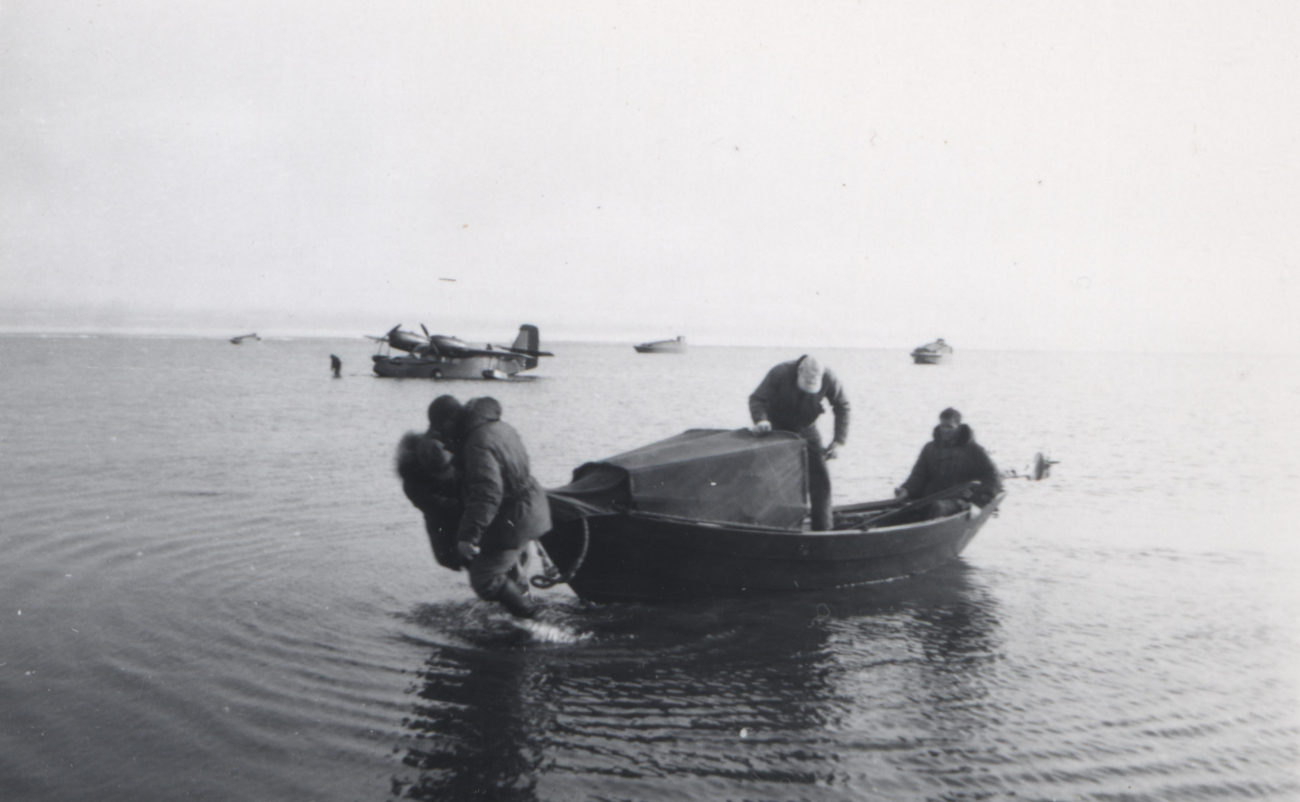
82, 334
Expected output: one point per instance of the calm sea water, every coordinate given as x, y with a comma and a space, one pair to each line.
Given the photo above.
212, 588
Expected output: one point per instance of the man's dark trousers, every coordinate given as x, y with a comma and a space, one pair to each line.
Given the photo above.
819, 479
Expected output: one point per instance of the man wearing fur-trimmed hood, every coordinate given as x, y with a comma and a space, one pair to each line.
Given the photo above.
429, 479
505, 507
951, 458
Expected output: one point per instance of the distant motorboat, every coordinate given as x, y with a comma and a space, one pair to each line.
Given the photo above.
934, 353
677, 346
242, 337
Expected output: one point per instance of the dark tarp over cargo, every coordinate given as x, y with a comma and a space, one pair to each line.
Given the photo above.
728, 476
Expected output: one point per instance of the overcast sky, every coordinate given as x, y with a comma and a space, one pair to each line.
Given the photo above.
1113, 175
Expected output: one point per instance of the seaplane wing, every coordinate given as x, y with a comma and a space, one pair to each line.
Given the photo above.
521, 351
467, 352
524, 348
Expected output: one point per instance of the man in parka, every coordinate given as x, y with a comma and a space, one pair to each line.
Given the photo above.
789, 399
424, 462
505, 507
951, 458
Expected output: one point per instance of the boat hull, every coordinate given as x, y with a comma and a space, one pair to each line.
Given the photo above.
926, 358
677, 346
637, 557
413, 367
935, 353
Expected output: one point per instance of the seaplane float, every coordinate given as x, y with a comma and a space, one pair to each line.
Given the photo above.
439, 356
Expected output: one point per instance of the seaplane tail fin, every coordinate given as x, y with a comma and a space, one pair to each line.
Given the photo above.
528, 340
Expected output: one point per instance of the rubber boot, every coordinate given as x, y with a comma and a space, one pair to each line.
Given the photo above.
515, 601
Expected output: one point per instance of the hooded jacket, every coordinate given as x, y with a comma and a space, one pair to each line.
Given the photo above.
505, 507
779, 400
944, 465
429, 481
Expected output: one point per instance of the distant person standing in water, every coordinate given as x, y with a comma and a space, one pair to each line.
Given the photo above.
505, 507
789, 399
336, 365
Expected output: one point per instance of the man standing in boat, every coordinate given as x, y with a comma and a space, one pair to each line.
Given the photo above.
789, 399
505, 507
951, 458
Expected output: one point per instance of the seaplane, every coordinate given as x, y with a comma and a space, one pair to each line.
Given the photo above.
439, 356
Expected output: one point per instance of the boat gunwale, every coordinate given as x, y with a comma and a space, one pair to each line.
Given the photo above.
777, 530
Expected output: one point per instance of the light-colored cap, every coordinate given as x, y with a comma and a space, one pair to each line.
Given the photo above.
810, 374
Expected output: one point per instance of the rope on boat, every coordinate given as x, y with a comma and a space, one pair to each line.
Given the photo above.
545, 582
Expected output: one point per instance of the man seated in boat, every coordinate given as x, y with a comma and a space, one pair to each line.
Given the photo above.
425, 464
789, 399
951, 458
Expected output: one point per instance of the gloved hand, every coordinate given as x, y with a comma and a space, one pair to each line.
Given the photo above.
761, 428
830, 452
467, 551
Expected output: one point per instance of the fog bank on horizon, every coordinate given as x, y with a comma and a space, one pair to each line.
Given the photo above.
1006, 176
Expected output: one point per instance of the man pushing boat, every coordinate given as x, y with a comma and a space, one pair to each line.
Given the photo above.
469, 474
789, 399
505, 506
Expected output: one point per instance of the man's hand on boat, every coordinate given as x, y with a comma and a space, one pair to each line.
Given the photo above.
467, 551
761, 428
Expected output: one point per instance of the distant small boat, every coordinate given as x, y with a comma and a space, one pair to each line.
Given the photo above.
242, 337
677, 346
934, 353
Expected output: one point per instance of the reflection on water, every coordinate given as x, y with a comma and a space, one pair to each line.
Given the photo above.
478, 728
202, 565
693, 699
